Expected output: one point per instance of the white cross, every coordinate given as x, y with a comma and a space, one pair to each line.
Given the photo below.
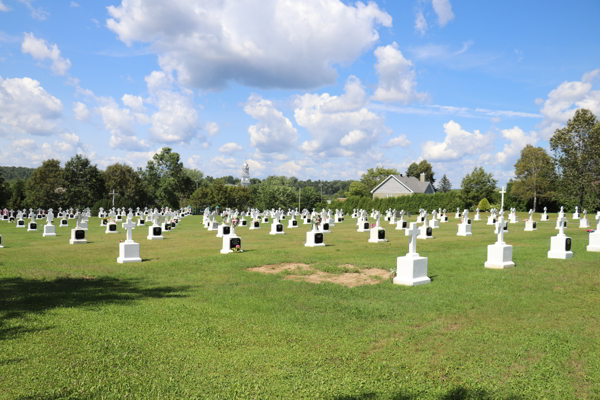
413, 231
130, 226
378, 217
502, 192
78, 220
50, 217
466, 217
113, 195
561, 226
500, 230
425, 219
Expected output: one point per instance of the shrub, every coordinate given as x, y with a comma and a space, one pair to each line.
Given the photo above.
484, 205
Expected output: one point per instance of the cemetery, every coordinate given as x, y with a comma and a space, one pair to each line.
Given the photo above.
267, 305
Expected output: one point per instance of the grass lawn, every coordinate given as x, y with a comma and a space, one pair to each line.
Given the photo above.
189, 322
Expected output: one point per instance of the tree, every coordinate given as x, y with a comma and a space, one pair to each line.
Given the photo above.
374, 176
165, 179
476, 186
535, 175
195, 175
415, 170
4, 192
358, 189
445, 185
45, 188
576, 153
309, 198
484, 205
84, 183
126, 182
18, 194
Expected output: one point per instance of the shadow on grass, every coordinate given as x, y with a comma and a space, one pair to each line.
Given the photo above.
459, 393
20, 297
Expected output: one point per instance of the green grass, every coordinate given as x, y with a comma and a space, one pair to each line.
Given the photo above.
189, 322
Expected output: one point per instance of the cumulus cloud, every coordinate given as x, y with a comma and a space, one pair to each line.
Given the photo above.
136, 103
24, 144
27, 107
396, 77
260, 43
212, 128
3, 7
457, 143
230, 148
120, 123
563, 101
353, 137
36, 12
518, 140
74, 4
443, 9
81, 111
398, 141
71, 138
421, 23
274, 132
40, 50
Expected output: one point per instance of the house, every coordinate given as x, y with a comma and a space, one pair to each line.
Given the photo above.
400, 185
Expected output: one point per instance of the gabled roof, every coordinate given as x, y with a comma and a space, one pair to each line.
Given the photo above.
411, 183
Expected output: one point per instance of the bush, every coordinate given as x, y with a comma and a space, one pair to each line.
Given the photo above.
484, 205
449, 201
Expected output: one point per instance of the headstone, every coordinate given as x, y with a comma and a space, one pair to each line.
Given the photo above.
560, 245
232, 243
129, 251
111, 226
561, 220
276, 226
499, 254
434, 222
594, 237
377, 233
363, 222
315, 237
576, 213
1, 242
32, 226
155, 231
583, 222
292, 222
477, 216
530, 224
544, 216
426, 232
411, 270
465, 227
77, 234
49, 229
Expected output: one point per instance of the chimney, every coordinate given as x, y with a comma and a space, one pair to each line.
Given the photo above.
422, 176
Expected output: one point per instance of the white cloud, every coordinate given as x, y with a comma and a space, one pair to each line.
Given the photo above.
230, 148
120, 123
73, 4
176, 119
518, 140
24, 144
398, 141
421, 23
396, 77
136, 103
287, 44
41, 51
443, 9
274, 132
563, 101
330, 120
36, 13
457, 143
81, 111
71, 138
3, 7
221, 162
27, 107
212, 128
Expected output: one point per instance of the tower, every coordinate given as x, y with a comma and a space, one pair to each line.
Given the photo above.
245, 175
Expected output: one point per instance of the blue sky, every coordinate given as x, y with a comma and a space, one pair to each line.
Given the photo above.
313, 89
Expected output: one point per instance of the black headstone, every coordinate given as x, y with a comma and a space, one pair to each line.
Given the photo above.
506, 226
33, 225
173, 225
325, 226
534, 224
294, 223
381, 234
318, 238
468, 222
5, 217
244, 222
279, 228
71, 216
568, 244
565, 224
39, 216
64, 222
308, 220
11, 219
429, 231
366, 226
494, 220
234, 242
156, 231
256, 224
112, 228
104, 222
226, 230
404, 224
79, 234
21, 223
167, 227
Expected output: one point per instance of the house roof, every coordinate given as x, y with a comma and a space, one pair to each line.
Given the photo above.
413, 184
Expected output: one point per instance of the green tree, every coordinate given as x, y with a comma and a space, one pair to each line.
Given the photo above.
374, 176
445, 185
165, 179
535, 175
84, 183
18, 194
309, 198
126, 182
195, 175
484, 205
415, 170
476, 186
45, 188
5, 192
358, 189
576, 153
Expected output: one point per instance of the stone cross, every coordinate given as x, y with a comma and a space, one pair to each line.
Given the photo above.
584, 214
425, 219
502, 192
576, 209
412, 232
598, 221
155, 218
31, 214
561, 226
111, 215
531, 213
113, 195
78, 218
377, 218
50, 216
545, 209
500, 230
466, 217
129, 225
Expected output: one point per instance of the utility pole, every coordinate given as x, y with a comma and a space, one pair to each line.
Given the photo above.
321, 193
113, 195
299, 194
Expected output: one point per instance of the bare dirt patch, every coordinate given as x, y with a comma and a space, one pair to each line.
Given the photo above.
307, 273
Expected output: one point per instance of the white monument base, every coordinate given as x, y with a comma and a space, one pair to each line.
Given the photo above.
444, 219
213, 226
363, 227
20, 224
464, 230
434, 223
83, 225
425, 232
292, 223
155, 233
560, 247
544, 217
566, 224
314, 239
583, 223
491, 220
129, 252
411, 270
499, 256
401, 225
575, 215
254, 225
513, 219
377, 235
32, 226
530, 225
77, 236
593, 241
477, 217
230, 242
277, 229
221, 227
49, 230
111, 228
141, 222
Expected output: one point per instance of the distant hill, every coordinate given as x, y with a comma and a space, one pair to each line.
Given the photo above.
14, 173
